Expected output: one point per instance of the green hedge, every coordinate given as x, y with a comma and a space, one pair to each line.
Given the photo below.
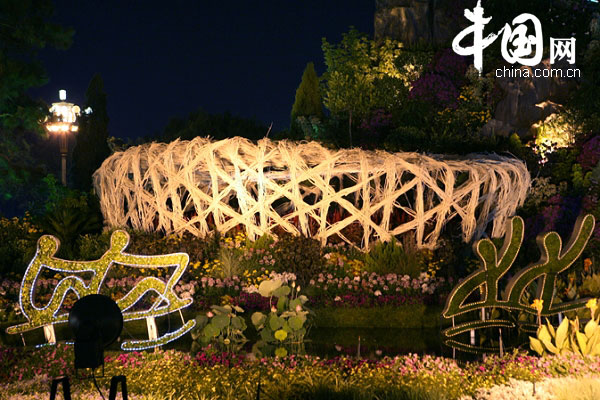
409, 316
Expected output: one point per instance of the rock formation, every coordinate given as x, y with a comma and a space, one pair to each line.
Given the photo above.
414, 21
528, 99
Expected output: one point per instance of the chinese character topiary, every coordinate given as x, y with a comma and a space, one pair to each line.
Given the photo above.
496, 263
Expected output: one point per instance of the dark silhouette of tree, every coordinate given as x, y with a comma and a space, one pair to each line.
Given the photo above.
91, 148
217, 126
24, 30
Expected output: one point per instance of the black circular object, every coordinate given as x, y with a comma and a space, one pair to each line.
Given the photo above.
94, 317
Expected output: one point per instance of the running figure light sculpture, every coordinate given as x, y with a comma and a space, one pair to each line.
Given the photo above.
47, 315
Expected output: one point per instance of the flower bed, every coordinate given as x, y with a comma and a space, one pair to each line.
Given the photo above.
177, 375
365, 290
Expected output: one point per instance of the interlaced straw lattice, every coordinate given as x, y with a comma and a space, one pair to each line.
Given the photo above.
200, 185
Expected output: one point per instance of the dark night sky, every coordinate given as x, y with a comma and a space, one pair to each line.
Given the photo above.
168, 58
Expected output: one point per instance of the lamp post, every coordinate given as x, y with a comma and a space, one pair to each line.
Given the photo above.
62, 122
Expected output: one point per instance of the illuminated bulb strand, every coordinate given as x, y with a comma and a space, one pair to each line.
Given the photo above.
44, 257
138, 345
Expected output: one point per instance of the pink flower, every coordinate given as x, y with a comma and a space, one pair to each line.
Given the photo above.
210, 314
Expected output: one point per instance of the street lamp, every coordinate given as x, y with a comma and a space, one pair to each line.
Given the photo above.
63, 121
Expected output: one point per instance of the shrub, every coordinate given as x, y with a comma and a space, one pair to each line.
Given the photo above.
91, 247
590, 153
299, 255
199, 249
590, 286
392, 257
405, 138
436, 89
18, 238
229, 263
70, 217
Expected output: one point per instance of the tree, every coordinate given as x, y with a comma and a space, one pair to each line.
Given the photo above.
356, 71
91, 148
217, 126
308, 98
24, 30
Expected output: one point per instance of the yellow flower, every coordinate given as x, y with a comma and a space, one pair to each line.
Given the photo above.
226, 300
538, 305
592, 304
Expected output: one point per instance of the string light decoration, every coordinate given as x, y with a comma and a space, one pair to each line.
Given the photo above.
496, 263
200, 185
166, 303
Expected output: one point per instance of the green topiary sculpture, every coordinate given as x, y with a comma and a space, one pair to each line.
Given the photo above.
496, 264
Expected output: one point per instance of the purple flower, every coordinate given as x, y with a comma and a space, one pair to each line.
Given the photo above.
590, 153
436, 89
440, 85
450, 65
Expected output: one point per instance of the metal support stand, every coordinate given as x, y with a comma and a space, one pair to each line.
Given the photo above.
152, 328
50, 334
114, 382
181, 315
453, 348
66, 388
64, 148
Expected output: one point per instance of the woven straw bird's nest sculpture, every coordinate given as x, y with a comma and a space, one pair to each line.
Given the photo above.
202, 185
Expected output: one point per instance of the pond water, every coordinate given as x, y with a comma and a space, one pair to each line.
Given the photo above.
373, 342
378, 342
331, 342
